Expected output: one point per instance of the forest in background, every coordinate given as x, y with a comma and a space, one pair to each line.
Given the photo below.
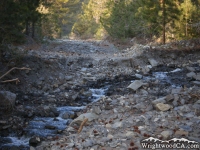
158, 20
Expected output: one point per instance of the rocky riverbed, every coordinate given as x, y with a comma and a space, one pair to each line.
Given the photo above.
127, 96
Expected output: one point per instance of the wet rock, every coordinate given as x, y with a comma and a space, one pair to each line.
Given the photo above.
50, 127
7, 101
163, 107
135, 85
34, 141
67, 115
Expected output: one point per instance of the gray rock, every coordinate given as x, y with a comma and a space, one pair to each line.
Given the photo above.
176, 91
96, 110
7, 102
163, 107
135, 85
146, 69
90, 116
191, 75
197, 77
153, 62
196, 83
139, 76
68, 78
67, 115
159, 100
190, 69
117, 125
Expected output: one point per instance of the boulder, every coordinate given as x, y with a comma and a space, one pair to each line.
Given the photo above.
7, 101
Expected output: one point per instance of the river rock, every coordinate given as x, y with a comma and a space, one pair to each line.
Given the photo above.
34, 141
191, 75
162, 107
153, 62
90, 116
159, 100
166, 134
7, 102
197, 77
135, 85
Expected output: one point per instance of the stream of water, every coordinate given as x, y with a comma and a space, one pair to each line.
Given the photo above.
37, 126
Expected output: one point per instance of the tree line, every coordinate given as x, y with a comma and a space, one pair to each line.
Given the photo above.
163, 20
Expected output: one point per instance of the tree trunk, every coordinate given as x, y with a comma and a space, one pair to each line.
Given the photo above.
27, 27
33, 29
164, 21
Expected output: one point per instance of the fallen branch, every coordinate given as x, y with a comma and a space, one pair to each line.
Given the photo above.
23, 68
82, 124
16, 80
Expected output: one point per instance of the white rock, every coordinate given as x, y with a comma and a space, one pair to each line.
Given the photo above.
110, 136
135, 85
166, 134
163, 107
153, 62
90, 116
117, 125
130, 134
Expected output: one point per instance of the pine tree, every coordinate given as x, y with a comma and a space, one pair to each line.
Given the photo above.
160, 15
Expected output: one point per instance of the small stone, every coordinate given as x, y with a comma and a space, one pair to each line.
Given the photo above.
162, 107
181, 133
50, 127
166, 134
117, 125
130, 134
169, 97
135, 85
160, 100
34, 141
139, 76
108, 125
190, 69
110, 136
197, 77
153, 62
89, 116
191, 75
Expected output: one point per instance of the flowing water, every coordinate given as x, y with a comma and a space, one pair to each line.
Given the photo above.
38, 126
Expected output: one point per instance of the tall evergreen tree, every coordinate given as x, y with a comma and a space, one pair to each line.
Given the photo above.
160, 14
